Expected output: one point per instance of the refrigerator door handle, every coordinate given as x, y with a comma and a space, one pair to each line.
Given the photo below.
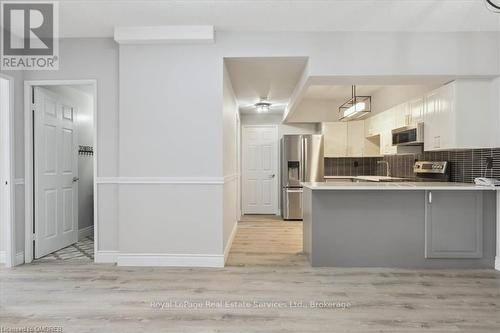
303, 158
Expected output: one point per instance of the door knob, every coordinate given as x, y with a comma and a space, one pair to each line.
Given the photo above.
272, 176
75, 179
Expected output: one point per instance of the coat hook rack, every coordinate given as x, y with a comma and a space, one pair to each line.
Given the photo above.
85, 150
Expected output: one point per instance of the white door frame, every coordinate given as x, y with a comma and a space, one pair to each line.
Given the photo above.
7, 216
277, 204
28, 158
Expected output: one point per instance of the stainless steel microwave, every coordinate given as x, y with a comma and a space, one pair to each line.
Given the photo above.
408, 135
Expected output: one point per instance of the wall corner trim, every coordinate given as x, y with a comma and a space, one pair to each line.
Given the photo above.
230, 241
19, 259
106, 257
166, 34
170, 260
230, 178
497, 263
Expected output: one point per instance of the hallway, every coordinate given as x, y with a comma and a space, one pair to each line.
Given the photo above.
267, 240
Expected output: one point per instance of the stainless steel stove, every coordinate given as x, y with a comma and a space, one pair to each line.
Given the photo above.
437, 171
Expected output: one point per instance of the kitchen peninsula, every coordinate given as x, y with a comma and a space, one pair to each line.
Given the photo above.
400, 224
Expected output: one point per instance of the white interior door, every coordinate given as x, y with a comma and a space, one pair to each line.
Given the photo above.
56, 173
259, 170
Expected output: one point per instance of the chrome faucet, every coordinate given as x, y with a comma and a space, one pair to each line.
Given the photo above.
387, 169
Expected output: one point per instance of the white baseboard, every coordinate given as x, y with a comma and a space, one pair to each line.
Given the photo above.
19, 258
170, 260
497, 263
106, 257
18, 261
230, 241
85, 232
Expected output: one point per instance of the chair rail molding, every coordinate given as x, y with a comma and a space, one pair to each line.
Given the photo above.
161, 180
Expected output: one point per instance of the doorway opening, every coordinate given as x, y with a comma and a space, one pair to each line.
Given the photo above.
7, 244
60, 139
262, 88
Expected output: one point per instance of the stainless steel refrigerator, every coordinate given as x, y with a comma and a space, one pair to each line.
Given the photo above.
301, 161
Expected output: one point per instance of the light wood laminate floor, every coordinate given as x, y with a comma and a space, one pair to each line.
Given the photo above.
267, 240
83, 297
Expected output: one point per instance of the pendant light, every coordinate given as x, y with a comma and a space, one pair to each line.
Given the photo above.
355, 108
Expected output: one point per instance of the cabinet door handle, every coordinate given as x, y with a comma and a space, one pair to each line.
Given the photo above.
430, 197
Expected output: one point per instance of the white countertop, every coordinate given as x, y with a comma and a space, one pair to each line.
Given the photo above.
397, 186
367, 178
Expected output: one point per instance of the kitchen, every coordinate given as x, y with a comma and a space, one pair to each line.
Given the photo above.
414, 183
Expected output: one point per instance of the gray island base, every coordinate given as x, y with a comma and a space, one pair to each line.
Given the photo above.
399, 225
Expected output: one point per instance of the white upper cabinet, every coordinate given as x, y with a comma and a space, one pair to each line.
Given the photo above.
347, 139
460, 115
372, 125
356, 138
388, 120
401, 115
335, 139
432, 135
415, 111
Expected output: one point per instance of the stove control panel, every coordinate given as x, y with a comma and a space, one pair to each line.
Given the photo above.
430, 167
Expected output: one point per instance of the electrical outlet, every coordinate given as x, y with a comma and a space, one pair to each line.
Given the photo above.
489, 162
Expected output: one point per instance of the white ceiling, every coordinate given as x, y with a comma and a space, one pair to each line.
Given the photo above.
338, 92
271, 78
97, 18
320, 102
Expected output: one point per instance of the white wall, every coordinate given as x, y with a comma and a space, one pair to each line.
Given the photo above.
170, 120
84, 104
171, 126
276, 119
231, 174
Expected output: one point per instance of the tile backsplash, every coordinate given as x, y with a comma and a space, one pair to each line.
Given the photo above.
465, 165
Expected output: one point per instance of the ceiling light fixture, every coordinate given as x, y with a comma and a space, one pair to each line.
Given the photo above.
355, 108
262, 106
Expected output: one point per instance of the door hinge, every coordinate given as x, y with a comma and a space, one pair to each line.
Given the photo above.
430, 197
33, 237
